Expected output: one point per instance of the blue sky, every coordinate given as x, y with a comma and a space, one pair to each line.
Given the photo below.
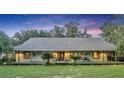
11, 23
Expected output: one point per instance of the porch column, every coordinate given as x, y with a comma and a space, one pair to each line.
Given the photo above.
107, 55
115, 56
103, 56
18, 57
110, 56
91, 56
30, 57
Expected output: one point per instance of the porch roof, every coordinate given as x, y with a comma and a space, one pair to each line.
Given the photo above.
65, 44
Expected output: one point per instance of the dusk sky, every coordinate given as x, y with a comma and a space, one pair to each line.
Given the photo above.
11, 23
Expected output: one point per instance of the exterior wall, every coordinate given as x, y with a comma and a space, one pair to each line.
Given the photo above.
36, 56
19, 57
16, 57
102, 58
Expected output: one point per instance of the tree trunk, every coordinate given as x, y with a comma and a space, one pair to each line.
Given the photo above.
75, 61
48, 61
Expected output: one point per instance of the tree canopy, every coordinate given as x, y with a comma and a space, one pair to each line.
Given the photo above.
114, 34
58, 32
70, 29
24, 35
5, 44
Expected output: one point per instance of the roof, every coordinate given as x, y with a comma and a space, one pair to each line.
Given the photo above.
65, 44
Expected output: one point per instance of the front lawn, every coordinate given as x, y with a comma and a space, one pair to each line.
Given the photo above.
79, 71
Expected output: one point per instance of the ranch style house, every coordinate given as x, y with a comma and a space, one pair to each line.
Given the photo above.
89, 49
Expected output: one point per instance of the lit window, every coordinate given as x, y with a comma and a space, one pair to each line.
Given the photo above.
55, 55
95, 55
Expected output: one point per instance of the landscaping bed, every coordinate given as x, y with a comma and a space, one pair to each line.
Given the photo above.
67, 63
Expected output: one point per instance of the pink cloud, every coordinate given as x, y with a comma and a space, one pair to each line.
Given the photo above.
94, 32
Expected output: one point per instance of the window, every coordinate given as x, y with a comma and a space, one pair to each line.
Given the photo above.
96, 55
26, 55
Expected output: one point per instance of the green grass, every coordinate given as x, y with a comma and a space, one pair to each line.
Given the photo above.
79, 71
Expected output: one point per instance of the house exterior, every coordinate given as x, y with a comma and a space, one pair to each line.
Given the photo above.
89, 49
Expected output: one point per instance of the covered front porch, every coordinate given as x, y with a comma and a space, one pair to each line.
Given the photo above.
65, 56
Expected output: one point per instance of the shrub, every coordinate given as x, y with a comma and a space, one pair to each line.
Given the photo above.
121, 59
75, 57
7, 60
47, 56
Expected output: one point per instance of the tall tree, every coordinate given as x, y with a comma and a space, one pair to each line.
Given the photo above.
72, 29
85, 34
114, 34
5, 45
110, 33
22, 36
58, 32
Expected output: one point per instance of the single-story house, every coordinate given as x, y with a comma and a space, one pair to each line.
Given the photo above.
89, 49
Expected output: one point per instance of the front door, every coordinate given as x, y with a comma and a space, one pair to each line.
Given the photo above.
61, 56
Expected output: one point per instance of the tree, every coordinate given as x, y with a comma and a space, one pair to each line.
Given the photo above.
47, 56
21, 37
84, 34
69, 30
5, 44
75, 58
58, 32
72, 29
110, 33
114, 34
